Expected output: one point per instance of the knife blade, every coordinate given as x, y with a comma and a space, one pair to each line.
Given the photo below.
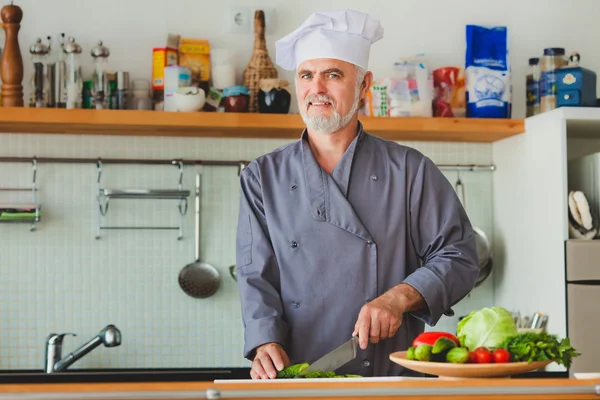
335, 358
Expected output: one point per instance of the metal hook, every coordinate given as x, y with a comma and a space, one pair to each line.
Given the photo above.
99, 165
34, 162
185, 208
462, 189
241, 166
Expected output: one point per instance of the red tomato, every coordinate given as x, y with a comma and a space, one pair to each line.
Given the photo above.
501, 356
483, 356
472, 358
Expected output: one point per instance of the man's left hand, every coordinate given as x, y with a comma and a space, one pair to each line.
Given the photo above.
378, 319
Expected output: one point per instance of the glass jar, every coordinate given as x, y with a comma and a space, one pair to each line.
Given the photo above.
553, 59
236, 99
533, 87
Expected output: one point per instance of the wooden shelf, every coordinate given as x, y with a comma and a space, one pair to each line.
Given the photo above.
242, 125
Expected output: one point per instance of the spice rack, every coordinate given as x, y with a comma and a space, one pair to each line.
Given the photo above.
105, 195
23, 212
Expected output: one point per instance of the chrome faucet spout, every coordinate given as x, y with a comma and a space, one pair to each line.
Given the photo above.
110, 336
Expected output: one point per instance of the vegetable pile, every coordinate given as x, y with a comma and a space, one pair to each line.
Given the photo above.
294, 370
490, 335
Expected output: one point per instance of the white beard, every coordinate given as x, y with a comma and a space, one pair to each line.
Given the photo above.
327, 125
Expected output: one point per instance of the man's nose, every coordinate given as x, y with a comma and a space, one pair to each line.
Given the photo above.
318, 86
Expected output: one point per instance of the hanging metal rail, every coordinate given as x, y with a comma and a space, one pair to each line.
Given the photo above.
218, 163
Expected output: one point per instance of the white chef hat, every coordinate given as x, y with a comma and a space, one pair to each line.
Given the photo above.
345, 35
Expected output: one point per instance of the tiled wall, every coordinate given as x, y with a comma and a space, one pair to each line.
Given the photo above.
60, 278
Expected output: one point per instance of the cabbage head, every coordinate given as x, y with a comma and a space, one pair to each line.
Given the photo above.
488, 327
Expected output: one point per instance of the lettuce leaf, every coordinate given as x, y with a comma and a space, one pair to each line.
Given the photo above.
488, 327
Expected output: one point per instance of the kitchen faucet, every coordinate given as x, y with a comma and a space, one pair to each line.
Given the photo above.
110, 336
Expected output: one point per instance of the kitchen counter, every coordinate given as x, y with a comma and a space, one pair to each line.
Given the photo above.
375, 388
115, 375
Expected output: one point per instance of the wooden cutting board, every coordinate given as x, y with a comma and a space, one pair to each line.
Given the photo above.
313, 380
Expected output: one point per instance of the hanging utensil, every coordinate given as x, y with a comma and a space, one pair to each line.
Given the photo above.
484, 248
199, 279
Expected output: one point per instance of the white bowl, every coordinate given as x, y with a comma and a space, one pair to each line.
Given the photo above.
189, 99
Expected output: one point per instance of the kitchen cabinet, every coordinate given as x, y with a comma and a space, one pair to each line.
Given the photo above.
531, 232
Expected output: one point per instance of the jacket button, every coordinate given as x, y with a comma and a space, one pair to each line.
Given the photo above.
295, 304
369, 242
366, 363
374, 177
294, 244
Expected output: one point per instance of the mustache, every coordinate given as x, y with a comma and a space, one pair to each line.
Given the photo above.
318, 98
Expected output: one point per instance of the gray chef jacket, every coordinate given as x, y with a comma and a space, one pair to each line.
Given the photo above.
312, 247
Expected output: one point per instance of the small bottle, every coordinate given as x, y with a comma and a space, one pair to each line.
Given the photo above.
533, 87
122, 90
101, 85
39, 78
73, 80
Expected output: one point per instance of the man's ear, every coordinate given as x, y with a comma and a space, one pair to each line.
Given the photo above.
366, 84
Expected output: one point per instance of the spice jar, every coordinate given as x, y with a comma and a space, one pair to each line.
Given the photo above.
39, 79
274, 96
236, 99
553, 59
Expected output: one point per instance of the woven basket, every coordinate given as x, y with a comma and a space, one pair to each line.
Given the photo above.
260, 65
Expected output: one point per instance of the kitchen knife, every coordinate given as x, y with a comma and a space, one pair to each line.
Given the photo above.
335, 358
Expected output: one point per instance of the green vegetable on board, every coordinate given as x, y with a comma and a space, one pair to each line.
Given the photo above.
410, 353
294, 370
488, 327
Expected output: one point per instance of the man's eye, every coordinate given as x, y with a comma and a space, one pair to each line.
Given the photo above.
305, 76
334, 76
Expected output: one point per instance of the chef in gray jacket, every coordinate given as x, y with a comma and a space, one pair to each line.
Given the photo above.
341, 232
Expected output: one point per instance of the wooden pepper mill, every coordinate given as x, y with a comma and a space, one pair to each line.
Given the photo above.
11, 67
260, 65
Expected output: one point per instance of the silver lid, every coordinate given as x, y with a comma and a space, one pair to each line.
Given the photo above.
71, 46
100, 50
122, 80
39, 48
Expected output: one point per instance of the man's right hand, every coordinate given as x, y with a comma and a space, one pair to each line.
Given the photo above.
270, 358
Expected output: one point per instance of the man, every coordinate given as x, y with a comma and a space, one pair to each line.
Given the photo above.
341, 232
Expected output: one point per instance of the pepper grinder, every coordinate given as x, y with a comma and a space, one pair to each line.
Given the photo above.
12, 61
73, 80
39, 79
100, 82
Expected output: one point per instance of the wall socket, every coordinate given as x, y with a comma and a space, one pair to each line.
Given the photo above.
240, 19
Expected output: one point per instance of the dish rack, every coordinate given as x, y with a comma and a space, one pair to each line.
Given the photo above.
23, 212
105, 195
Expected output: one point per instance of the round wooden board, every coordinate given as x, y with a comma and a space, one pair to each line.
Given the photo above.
467, 371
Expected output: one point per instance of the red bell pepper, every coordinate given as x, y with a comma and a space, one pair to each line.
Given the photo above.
431, 337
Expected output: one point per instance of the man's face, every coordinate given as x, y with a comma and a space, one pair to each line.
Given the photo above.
328, 93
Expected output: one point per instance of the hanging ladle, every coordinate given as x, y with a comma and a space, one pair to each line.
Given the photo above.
199, 279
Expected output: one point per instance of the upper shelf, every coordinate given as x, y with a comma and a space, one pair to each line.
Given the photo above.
243, 125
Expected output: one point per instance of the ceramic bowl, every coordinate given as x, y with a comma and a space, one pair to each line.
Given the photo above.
189, 99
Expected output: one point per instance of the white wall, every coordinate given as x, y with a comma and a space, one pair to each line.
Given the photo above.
61, 279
